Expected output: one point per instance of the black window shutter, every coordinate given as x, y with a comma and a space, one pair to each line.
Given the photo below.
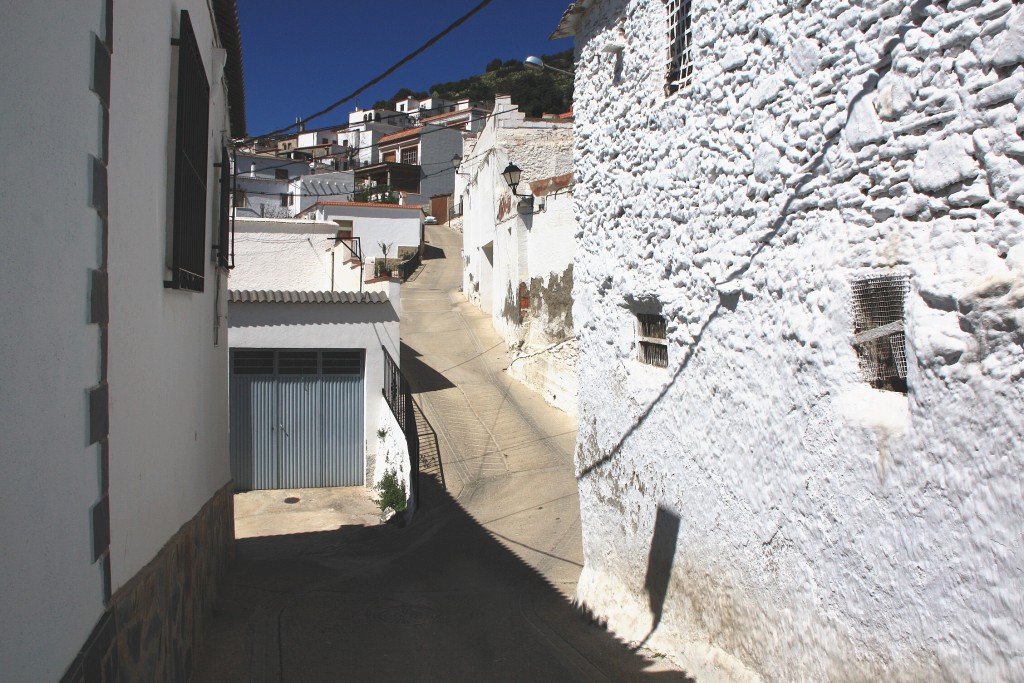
188, 262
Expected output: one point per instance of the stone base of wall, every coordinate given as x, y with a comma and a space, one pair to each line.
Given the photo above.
154, 624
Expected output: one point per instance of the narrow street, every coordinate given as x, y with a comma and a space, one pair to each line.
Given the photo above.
479, 586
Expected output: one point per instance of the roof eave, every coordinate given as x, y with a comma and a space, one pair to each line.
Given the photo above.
226, 14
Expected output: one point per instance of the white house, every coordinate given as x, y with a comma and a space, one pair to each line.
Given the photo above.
308, 346
398, 226
518, 253
263, 186
113, 407
798, 298
418, 163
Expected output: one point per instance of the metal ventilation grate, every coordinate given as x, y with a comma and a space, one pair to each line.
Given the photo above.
680, 46
253, 362
652, 340
878, 328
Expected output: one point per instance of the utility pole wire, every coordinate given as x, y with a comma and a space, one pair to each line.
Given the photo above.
415, 53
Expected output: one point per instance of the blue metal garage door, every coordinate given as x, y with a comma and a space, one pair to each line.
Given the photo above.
296, 418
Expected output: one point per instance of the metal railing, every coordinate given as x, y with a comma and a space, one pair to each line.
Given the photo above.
407, 268
399, 398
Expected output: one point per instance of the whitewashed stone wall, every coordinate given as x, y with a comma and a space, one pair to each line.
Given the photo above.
810, 527
505, 249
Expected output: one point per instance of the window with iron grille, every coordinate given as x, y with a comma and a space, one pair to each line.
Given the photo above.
188, 243
652, 339
280, 174
680, 46
241, 199
878, 329
410, 155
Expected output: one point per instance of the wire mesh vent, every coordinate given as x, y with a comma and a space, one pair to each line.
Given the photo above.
653, 347
680, 46
878, 328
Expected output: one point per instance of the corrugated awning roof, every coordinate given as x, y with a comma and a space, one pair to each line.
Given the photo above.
262, 296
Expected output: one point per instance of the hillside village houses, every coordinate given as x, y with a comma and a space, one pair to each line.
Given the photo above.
117, 515
519, 245
799, 299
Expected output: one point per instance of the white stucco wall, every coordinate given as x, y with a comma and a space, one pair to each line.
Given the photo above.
50, 591
168, 357
289, 254
824, 530
373, 224
392, 451
329, 326
503, 248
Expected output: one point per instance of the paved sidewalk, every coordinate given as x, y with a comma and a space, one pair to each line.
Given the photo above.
477, 588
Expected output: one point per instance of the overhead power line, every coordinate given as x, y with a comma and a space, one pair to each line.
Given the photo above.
412, 55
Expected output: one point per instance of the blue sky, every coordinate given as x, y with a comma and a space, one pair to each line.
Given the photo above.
301, 55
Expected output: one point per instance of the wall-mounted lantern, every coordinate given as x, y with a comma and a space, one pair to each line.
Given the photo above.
512, 175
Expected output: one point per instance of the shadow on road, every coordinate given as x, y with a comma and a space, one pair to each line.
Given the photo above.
431, 252
423, 377
439, 600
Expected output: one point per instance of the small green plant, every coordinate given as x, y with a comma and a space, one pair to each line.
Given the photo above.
382, 433
391, 492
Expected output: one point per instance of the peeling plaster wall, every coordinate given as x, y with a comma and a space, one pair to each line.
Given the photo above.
509, 255
823, 530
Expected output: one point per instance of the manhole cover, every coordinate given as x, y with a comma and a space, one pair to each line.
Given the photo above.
410, 615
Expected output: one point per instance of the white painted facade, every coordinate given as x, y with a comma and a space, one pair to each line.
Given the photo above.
368, 326
435, 145
310, 189
264, 186
164, 358
809, 526
51, 591
398, 226
292, 255
512, 248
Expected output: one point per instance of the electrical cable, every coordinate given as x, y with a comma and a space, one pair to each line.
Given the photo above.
408, 58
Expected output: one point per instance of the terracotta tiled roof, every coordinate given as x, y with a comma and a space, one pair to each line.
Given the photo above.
401, 135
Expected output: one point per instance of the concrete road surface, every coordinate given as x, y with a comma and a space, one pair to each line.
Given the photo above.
477, 588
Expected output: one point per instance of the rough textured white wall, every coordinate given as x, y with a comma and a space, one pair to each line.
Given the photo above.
814, 527
167, 371
328, 326
51, 593
287, 255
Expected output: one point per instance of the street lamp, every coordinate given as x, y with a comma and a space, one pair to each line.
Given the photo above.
456, 163
537, 64
512, 175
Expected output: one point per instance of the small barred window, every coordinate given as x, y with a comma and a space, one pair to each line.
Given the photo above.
878, 329
680, 46
652, 340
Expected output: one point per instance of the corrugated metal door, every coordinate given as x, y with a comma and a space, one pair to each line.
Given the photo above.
296, 418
